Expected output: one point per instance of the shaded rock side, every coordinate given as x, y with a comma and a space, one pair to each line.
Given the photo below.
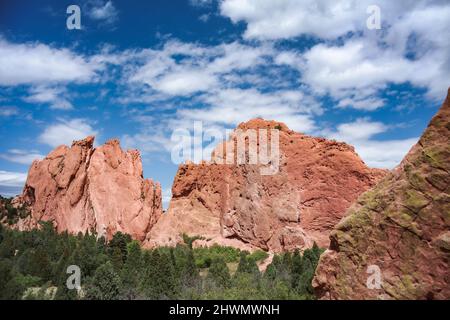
236, 205
401, 226
83, 188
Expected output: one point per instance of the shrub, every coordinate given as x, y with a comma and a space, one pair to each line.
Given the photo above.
258, 255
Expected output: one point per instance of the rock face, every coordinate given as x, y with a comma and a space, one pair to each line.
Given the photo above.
401, 226
233, 204
83, 188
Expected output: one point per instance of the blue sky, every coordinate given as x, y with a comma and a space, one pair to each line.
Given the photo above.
138, 70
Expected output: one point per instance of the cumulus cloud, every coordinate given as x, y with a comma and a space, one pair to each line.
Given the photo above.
184, 69
325, 19
231, 82
104, 11
375, 152
361, 68
229, 107
66, 131
412, 46
54, 96
148, 142
283, 19
37, 63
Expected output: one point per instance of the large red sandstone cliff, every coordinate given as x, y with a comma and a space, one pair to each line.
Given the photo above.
401, 226
83, 188
236, 205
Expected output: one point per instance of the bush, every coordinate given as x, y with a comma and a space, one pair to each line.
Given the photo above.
258, 255
204, 256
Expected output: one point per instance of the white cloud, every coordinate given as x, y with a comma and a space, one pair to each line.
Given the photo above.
148, 142
352, 66
36, 63
361, 129
225, 84
184, 69
12, 179
360, 67
21, 156
267, 19
375, 153
384, 154
412, 46
215, 74
8, 111
54, 96
369, 103
104, 11
325, 19
66, 131
185, 82
229, 107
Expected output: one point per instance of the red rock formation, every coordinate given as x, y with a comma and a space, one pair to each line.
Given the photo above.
236, 205
402, 226
83, 188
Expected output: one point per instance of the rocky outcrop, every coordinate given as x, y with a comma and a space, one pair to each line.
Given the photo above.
83, 188
314, 183
400, 228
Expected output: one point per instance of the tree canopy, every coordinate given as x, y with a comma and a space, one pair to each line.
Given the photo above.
33, 262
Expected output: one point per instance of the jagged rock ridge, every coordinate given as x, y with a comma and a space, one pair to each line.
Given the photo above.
402, 226
83, 188
236, 205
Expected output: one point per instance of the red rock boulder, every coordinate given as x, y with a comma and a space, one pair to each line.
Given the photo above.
83, 188
239, 204
395, 241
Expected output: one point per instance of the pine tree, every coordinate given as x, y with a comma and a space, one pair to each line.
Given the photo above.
160, 280
218, 273
131, 271
287, 262
150, 270
271, 273
40, 264
105, 285
252, 268
6, 275
64, 293
308, 268
166, 273
247, 266
242, 266
296, 269
119, 241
